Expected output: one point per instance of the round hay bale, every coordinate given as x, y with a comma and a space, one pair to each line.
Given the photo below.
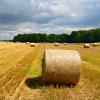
32, 44
7, 41
18, 41
65, 43
27, 42
61, 66
56, 44
86, 45
95, 44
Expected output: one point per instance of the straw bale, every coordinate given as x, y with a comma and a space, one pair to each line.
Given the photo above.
61, 66
95, 44
27, 42
86, 45
65, 43
56, 44
32, 44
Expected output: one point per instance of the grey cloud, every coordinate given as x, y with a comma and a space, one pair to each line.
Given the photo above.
48, 15
15, 11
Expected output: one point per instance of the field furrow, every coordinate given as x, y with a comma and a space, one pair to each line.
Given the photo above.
21, 71
12, 61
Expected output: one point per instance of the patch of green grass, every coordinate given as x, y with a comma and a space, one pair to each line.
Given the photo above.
35, 71
25, 70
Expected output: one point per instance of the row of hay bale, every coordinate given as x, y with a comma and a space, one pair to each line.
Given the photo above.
87, 45
57, 44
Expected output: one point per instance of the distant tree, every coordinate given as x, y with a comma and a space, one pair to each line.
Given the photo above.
82, 36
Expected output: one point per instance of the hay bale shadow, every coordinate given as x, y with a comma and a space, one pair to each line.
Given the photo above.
37, 83
34, 83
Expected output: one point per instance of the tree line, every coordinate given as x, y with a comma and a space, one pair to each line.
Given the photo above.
82, 36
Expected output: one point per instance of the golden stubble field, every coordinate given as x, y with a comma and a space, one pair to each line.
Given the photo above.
21, 67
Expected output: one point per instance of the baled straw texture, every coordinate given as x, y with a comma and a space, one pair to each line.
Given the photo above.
86, 45
61, 66
32, 44
95, 44
56, 44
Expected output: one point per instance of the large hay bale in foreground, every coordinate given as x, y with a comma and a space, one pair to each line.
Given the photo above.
95, 44
86, 45
61, 66
56, 44
32, 44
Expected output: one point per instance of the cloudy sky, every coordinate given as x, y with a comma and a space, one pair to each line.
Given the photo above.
47, 16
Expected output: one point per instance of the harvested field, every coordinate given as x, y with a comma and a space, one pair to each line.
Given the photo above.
21, 69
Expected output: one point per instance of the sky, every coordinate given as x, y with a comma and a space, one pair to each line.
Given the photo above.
47, 16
